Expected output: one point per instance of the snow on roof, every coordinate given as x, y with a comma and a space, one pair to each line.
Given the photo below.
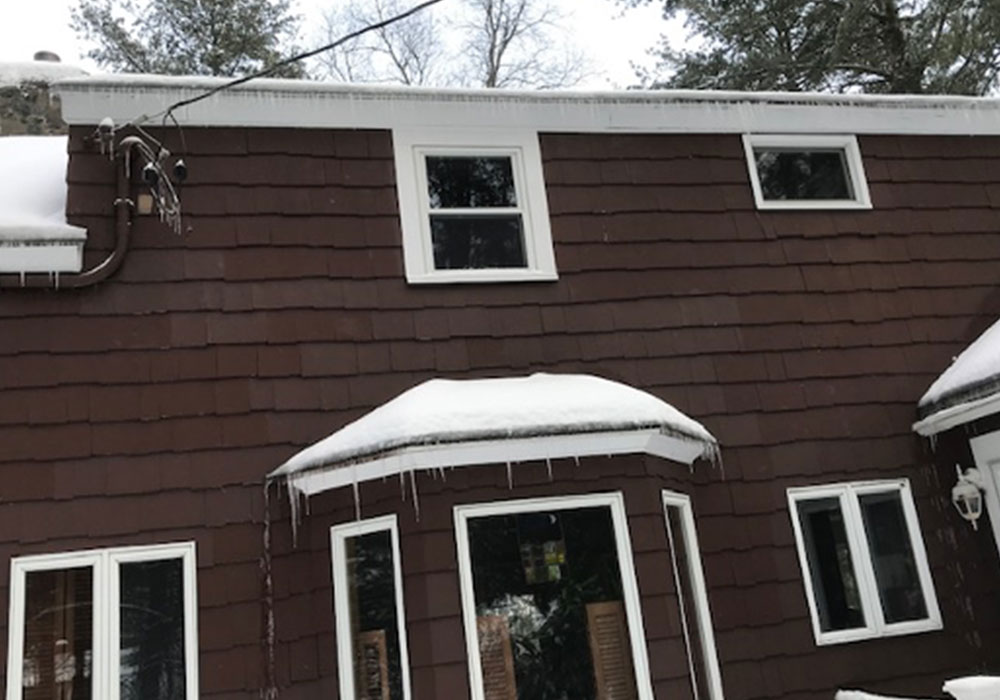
479, 421
974, 687
972, 379
17, 72
861, 695
33, 190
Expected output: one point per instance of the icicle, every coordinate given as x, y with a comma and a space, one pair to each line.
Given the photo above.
357, 500
510, 478
267, 641
293, 504
576, 460
548, 467
402, 485
416, 500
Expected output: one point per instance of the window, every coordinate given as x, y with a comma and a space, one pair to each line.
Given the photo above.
472, 206
549, 600
806, 172
863, 561
692, 597
108, 623
368, 604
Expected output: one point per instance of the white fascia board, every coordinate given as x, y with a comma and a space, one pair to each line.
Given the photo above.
963, 413
23, 256
465, 454
304, 104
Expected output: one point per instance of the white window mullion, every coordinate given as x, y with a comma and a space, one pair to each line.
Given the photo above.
107, 609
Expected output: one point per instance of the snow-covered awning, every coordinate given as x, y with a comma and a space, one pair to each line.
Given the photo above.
34, 235
969, 389
450, 423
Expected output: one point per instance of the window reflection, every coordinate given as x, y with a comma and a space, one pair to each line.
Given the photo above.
792, 175
371, 585
58, 634
833, 577
152, 630
477, 242
549, 606
892, 557
460, 182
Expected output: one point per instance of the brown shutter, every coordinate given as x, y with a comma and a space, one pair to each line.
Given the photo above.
611, 651
373, 666
496, 658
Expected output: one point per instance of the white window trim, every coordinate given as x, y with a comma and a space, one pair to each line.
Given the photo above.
852, 160
106, 610
630, 590
875, 624
339, 534
986, 452
699, 590
411, 146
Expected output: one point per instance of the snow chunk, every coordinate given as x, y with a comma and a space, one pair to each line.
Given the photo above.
452, 412
17, 72
861, 695
33, 190
974, 688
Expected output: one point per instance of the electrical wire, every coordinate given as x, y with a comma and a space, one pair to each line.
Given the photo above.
168, 113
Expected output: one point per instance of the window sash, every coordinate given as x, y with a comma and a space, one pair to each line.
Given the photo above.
106, 615
875, 623
339, 534
615, 503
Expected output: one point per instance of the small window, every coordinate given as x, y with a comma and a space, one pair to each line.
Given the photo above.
806, 172
550, 601
112, 623
473, 207
368, 604
863, 561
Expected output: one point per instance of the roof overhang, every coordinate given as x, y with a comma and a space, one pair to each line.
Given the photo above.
309, 104
958, 414
459, 423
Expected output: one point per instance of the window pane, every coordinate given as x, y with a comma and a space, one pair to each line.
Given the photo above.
477, 242
549, 606
371, 582
834, 582
892, 557
152, 630
802, 174
461, 182
58, 634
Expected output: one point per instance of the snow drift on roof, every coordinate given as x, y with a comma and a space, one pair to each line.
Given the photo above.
33, 190
448, 412
974, 376
17, 72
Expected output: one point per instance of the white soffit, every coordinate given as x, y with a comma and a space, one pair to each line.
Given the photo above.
452, 423
298, 103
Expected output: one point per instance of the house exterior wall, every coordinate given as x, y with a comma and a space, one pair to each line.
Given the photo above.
149, 409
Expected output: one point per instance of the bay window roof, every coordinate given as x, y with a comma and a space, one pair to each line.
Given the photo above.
449, 423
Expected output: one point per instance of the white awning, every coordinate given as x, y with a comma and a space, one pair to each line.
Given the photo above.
451, 423
969, 389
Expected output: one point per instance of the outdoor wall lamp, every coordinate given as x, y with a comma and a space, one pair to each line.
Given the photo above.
967, 495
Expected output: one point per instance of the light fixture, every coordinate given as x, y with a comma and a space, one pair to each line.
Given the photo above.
967, 495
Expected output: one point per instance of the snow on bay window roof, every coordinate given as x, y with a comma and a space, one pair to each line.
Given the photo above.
34, 235
967, 390
448, 423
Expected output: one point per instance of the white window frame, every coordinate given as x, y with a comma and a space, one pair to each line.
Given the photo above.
412, 146
630, 589
875, 625
699, 590
106, 611
847, 144
339, 534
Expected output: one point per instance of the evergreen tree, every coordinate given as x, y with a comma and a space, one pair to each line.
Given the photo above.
883, 46
187, 37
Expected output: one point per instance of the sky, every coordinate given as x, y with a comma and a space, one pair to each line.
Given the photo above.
609, 36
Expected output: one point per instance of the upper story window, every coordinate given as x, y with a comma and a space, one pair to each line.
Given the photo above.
110, 623
806, 172
472, 206
863, 561
368, 604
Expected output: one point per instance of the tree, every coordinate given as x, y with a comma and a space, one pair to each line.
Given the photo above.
883, 46
408, 51
488, 43
197, 37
